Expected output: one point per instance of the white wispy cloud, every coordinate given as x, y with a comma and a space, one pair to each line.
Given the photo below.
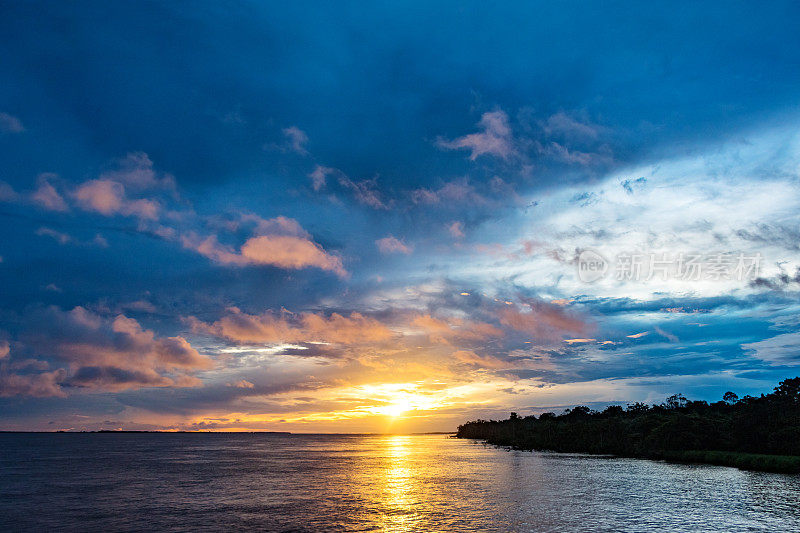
706, 203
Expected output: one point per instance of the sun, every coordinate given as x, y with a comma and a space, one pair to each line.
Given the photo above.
396, 400
397, 407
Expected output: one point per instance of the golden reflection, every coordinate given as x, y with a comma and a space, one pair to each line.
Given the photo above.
400, 488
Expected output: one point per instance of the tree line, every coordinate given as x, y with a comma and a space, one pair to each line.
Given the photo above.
769, 424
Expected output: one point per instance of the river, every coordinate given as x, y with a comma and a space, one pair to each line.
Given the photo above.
195, 482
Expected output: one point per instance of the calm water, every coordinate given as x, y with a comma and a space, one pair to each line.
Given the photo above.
366, 483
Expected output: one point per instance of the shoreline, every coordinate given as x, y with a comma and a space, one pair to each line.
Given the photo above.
756, 462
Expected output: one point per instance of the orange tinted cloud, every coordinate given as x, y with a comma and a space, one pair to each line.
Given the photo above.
42, 385
456, 229
455, 328
290, 252
302, 327
279, 242
483, 361
544, 321
242, 384
99, 353
391, 245
107, 197
495, 139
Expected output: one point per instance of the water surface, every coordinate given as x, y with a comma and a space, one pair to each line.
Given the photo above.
192, 482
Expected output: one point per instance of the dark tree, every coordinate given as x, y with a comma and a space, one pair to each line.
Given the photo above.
730, 398
789, 389
676, 401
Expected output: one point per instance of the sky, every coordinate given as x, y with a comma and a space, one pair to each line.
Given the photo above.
392, 217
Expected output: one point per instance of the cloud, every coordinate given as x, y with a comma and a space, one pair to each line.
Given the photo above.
279, 225
319, 176
689, 204
47, 196
565, 125
84, 338
41, 385
630, 185
456, 230
142, 306
779, 282
365, 191
10, 124
667, 335
578, 341
279, 241
495, 139
136, 172
107, 197
61, 238
563, 153
64, 238
543, 321
638, 335
455, 329
7, 193
116, 379
290, 252
779, 350
469, 357
291, 328
392, 245
296, 139
210, 247
563, 138
452, 193
99, 353
282, 251
109, 193
242, 384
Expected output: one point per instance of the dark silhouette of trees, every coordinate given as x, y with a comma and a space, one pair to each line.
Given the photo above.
789, 390
730, 398
676, 401
769, 424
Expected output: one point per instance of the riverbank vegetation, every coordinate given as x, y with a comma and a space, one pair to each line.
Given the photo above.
757, 433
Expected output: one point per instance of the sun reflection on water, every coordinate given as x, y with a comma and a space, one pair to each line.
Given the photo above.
399, 486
